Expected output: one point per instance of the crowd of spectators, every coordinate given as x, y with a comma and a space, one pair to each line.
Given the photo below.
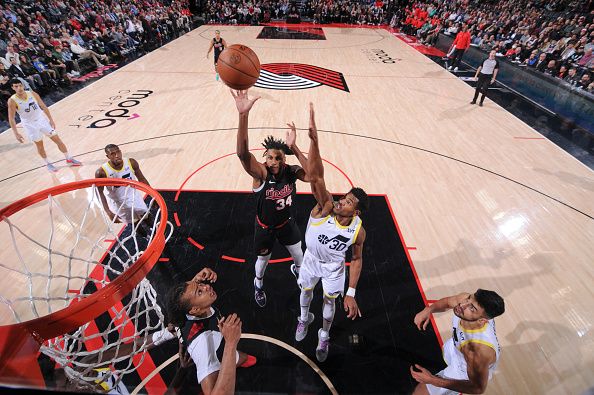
318, 11
555, 37
49, 43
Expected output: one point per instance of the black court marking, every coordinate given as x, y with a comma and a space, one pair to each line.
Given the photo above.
380, 347
201, 34
291, 33
234, 129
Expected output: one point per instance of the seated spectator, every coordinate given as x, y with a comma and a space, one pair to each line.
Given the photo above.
48, 76
21, 71
587, 60
72, 66
571, 77
83, 53
568, 51
562, 73
584, 82
541, 64
57, 65
551, 68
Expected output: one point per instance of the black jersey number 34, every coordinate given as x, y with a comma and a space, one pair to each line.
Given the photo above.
282, 203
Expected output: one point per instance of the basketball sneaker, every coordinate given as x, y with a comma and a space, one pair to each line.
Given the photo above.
322, 349
259, 295
52, 168
249, 362
295, 271
301, 331
73, 162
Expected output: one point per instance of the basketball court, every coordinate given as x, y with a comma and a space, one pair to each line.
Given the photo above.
462, 197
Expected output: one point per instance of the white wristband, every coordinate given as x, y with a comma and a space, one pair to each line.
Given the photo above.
351, 292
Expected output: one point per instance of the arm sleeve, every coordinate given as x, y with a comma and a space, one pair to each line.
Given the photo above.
162, 336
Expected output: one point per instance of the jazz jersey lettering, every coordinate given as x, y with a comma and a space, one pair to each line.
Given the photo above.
460, 337
276, 195
328, 241
124, 201
28, 109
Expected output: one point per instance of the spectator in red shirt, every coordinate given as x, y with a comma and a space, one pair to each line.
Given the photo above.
461, 44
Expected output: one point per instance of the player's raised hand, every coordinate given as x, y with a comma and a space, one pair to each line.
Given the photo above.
421, 374
230, 328
242, 101
423, 318
206, 274
351, 307
313, 130
291, 134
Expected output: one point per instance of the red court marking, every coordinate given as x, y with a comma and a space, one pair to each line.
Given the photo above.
163, 259
431, 301
194, 242
411, 248
230, 258
414, 271
155, 386
180, 189
73, 291
109, 241
529, 138
280, 260
196, 171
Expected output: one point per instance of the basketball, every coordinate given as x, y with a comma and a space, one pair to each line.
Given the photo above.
238, 67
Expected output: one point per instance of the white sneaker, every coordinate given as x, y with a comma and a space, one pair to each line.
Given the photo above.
449, 68
456, 69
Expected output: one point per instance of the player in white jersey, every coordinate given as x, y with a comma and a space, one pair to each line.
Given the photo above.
332, 228
125, 204
473, 351
36, 120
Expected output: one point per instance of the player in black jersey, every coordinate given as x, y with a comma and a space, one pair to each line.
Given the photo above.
219, 44
274, 185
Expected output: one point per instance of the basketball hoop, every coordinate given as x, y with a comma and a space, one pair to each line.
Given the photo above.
90, 263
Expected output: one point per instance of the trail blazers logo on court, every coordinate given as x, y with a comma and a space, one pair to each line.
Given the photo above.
292, 76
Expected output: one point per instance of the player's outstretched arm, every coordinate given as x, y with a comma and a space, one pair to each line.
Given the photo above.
223, 381
249, 162
12, 121
291, 140
315, 167
350, 304
210, 48
478, 358
423, 318
138, 172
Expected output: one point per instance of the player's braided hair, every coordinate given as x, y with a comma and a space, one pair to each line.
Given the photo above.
271, 143
176, 307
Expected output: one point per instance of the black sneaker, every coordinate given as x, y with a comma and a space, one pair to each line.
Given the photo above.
473, 102
259, 295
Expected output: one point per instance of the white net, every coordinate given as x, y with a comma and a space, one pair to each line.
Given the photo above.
64, 249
